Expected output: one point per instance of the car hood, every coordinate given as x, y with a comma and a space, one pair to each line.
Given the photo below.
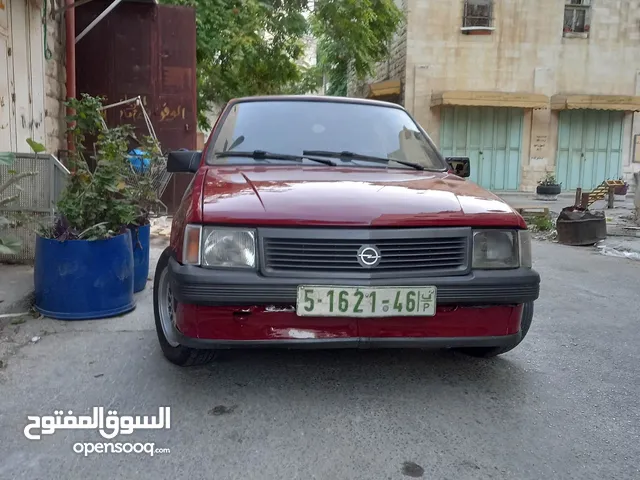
348, 197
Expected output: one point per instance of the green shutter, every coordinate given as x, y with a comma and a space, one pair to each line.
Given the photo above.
491, 138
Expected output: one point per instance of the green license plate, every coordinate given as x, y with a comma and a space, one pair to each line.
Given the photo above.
324, 301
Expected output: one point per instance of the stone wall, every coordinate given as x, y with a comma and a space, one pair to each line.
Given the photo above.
55, 86
527, 52
390, 69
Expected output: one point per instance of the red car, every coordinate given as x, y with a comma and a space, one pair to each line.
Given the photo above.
324, 222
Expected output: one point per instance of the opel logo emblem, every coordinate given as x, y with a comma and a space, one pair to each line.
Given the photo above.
369, 256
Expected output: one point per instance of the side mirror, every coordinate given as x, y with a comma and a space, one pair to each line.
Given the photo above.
461, 166
183, 161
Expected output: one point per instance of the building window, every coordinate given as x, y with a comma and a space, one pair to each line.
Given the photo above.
477, 13
577, 15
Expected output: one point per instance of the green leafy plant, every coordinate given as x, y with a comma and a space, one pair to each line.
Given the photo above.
95, 204
549, 179
542, 223
143, 190
35, 146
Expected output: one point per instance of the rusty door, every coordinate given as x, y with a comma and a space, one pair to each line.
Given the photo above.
146, 50
174, 116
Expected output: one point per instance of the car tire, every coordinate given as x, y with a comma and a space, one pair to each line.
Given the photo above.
490, 352
163, 310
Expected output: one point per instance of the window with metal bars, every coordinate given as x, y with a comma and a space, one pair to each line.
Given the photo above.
577, 15
477, 13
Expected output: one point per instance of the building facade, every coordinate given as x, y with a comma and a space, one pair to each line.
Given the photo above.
32, 75
524, 88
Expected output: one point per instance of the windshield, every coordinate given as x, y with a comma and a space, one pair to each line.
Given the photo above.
292, 127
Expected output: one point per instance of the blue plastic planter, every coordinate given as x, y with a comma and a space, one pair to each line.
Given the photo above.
140, 241
82, 279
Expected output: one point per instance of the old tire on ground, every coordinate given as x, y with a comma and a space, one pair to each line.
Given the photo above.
489, 352
163, 311
548, 189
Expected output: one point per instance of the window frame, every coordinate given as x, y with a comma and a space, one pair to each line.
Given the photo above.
583, 6
465, 17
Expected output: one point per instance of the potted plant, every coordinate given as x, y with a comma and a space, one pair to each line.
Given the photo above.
84, 259
143, 164
621, 190
548, 185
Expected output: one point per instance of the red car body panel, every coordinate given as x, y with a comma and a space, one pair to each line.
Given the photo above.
348, 197
258, 323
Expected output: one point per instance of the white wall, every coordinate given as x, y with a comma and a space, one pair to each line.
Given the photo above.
31, 87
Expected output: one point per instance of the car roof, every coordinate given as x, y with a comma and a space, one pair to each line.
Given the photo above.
316, 98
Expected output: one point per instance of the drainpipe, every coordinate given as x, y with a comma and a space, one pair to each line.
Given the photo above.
70, 29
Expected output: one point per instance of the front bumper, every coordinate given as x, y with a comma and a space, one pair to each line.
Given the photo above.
240, 309
281, 327
209, 287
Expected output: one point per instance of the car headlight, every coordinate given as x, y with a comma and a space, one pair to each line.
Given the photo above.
496, 249
221, 247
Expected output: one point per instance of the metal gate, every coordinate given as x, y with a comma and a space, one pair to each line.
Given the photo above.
36, 202
491, 138
589, 147
145, 50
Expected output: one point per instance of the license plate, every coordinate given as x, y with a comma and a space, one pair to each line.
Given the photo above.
324, 301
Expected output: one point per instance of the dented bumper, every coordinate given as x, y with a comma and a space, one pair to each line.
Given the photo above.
239, 309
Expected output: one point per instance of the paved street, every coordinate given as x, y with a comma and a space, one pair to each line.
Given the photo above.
564, 405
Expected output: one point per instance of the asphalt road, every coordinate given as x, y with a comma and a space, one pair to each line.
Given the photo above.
564, 405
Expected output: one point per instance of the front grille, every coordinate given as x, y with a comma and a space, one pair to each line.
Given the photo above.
441, 254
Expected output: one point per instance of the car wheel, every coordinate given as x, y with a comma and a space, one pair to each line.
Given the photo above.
490, 352
164, 307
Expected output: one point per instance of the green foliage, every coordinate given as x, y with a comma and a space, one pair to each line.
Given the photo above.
354, 33
35, 146
549, 179
142, 191
254, 47
95, 204
541, 223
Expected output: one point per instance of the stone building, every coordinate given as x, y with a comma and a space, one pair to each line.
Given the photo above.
32, 75
522, 87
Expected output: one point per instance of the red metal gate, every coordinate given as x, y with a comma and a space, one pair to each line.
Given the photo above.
146, 50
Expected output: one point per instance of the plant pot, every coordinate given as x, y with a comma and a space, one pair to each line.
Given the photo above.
140, 243
82, 279
621, 190
548, 189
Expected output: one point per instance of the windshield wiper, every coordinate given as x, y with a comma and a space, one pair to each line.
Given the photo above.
348, 156
262, 155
